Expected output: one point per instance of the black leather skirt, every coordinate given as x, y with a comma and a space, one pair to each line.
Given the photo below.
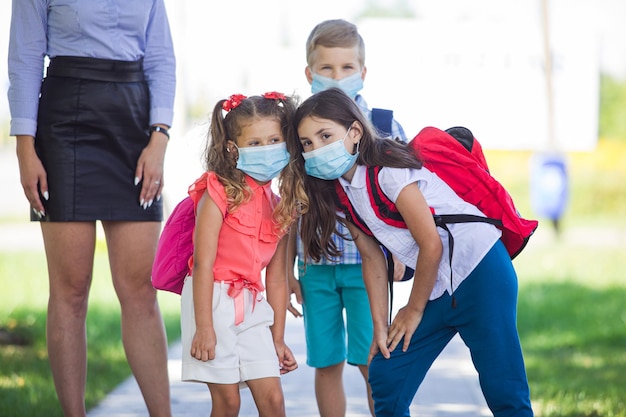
92, 125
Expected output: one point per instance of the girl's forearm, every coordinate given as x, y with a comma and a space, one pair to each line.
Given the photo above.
374, 270
277, 298
203, 297
426, 270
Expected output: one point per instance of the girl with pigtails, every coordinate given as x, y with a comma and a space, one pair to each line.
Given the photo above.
233, 336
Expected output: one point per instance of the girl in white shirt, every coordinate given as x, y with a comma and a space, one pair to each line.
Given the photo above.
477, 299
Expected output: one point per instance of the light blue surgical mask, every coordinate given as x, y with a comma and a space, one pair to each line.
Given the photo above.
263, 162
329, 162
350, 85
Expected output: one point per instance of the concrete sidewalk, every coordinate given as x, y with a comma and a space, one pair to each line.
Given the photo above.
450, 389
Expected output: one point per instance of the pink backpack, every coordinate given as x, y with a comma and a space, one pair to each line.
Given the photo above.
171, 262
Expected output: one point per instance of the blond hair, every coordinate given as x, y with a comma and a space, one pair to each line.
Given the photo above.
336, 33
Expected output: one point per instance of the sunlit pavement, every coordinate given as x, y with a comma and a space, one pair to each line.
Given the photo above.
450, 389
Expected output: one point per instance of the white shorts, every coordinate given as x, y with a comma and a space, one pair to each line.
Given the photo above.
242, 352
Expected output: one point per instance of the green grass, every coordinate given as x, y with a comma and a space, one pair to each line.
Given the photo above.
573, 339
572, 324
26, 387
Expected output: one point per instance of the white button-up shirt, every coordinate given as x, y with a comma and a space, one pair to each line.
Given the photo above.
472, 241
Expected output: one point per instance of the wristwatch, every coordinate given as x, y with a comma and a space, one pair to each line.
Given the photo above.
160, 129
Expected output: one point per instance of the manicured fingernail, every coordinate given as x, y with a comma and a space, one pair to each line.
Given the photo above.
159, 197
42, 214
145, 205
141, 202
36, 212
136, 180
46, 195
150, 203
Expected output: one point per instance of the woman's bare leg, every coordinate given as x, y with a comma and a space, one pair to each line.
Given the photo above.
131, 247
69, 253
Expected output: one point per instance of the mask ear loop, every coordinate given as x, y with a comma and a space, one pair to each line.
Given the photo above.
230, 150
356, 145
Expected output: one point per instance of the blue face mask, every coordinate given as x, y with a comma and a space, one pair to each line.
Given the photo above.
329, 162
263, 162
350, 85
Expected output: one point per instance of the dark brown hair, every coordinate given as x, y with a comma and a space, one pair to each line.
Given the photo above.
319, 222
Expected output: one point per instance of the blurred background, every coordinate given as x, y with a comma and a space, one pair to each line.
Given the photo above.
542, 85
434, 62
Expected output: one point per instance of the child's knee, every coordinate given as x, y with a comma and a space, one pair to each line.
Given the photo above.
272, 403
226, 403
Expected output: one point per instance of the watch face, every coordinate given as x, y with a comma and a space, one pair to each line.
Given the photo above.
160, 129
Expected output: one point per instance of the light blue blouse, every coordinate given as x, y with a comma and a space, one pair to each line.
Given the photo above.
108, 29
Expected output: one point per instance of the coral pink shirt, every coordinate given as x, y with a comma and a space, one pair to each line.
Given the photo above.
248, 237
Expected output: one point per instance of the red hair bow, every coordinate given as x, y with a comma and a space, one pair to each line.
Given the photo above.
233, 101
274, 95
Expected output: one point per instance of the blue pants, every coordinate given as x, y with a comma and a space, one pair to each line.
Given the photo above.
485, 317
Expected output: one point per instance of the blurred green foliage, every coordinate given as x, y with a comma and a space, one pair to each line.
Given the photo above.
612, 112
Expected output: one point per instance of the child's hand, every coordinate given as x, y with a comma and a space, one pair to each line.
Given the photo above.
286, 359
294, 288
379, 344
203, 345
403, 326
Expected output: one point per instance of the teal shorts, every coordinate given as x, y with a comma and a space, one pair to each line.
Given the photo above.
329, 291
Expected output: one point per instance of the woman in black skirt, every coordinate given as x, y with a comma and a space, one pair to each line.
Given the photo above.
91, 142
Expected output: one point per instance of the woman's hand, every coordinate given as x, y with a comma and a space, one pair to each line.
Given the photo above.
150, 169
32, 173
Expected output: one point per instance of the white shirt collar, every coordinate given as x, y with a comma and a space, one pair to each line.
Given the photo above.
358, 180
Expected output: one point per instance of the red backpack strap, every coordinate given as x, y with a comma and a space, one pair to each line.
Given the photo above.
344, 204
384, 208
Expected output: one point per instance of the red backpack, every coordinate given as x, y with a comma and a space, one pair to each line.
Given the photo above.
457, 158
175, 247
